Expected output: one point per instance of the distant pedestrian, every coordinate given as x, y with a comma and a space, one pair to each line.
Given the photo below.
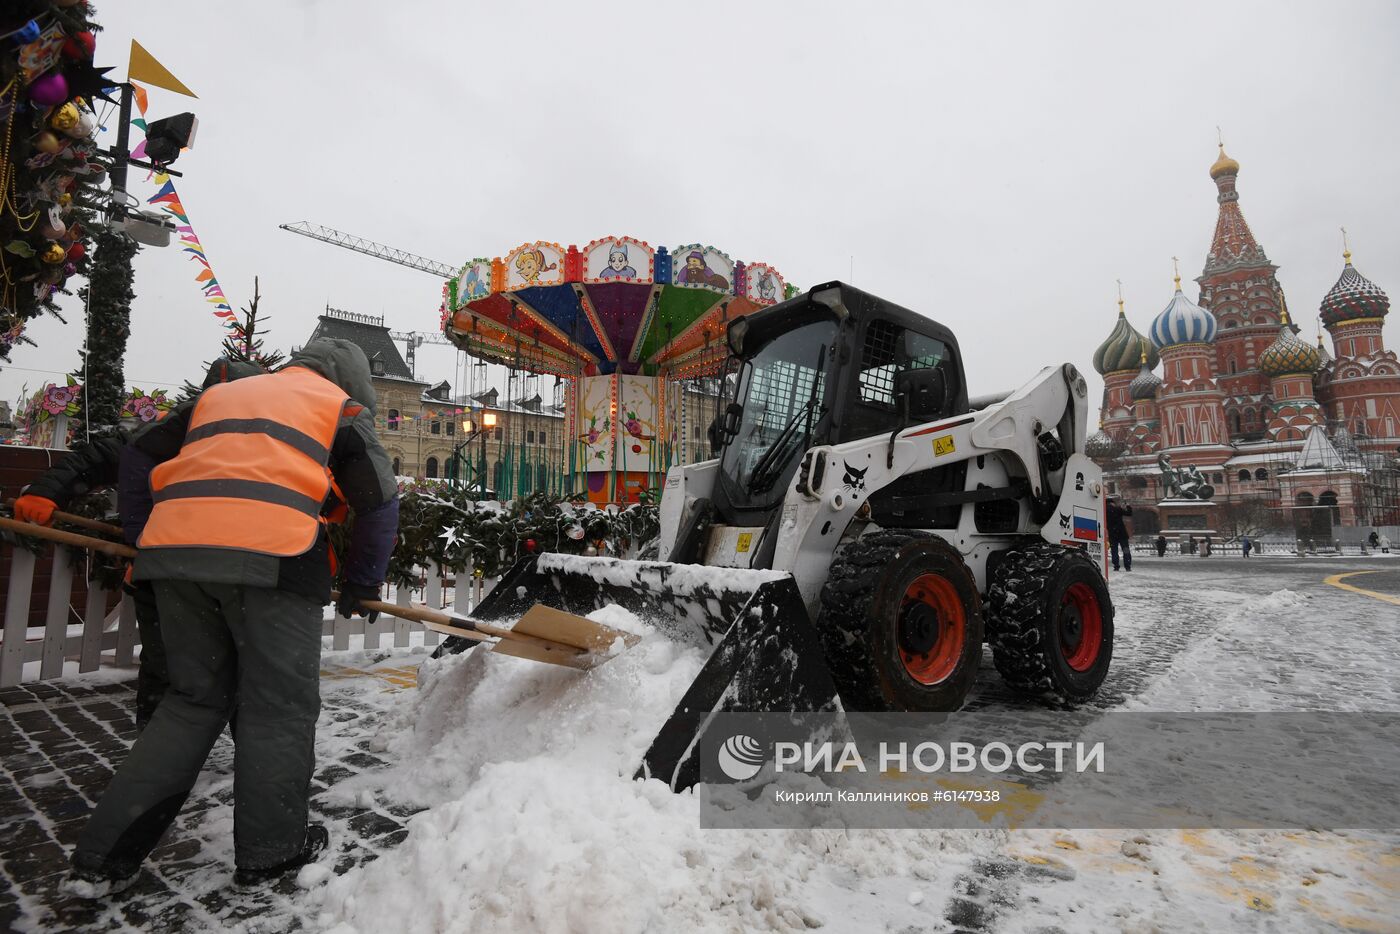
1385, 545
1205, 547
1161, 545
1190, 544
1374, 539
1118, 533
1246, 546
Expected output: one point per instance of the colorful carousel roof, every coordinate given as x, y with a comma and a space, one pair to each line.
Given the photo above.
617, 305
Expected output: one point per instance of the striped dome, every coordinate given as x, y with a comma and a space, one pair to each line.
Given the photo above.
1288, 354
1182, 322
1123, 348
1354, 296
1145, 384
1102, 446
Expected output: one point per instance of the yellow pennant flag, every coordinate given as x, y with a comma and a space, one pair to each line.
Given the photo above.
144, 67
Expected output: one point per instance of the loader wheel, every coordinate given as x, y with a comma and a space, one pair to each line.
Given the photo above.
901, 623
1050, 622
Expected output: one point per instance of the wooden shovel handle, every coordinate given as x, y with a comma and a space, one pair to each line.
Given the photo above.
424, 614
68, 538
81, 521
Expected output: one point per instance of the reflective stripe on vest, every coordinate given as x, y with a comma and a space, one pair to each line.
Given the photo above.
251, 474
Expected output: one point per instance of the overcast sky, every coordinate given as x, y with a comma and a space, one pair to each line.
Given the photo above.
996, 166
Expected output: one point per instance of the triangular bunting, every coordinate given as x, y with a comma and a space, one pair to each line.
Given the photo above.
143, 66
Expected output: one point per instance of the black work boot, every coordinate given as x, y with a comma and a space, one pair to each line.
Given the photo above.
317, 839
96, 879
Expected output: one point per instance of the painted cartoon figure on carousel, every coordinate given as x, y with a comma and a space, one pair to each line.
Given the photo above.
1183, 482
530, 263
696, 272
618, 267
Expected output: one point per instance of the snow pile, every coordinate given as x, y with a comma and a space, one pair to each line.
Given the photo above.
537, 825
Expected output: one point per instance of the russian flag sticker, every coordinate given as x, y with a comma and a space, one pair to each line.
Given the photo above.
1086, 524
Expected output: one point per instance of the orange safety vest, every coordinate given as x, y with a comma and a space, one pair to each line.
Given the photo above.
252, 472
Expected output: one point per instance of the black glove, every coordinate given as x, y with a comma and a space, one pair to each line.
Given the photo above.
350, 596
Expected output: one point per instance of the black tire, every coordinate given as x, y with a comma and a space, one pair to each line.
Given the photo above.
901, 623
1041, 604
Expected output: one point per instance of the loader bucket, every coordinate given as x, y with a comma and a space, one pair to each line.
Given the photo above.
765, 655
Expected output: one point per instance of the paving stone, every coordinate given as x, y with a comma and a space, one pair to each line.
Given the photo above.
373, 824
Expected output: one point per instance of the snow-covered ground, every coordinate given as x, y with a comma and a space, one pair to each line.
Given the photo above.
533, 822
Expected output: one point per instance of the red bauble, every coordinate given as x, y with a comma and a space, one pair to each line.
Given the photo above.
76, 252
530, 545
79, 47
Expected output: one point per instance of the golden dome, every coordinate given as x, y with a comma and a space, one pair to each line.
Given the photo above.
1224, 165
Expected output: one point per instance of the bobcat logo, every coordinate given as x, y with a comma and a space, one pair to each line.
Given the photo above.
1064, 521
1079, 481
854, 479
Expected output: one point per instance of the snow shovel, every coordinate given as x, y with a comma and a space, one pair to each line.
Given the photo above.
82, 522
68, 538
764, 654
542, 634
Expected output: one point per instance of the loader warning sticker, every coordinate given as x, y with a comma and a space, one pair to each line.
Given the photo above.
943, 444
744, 543
1086, 524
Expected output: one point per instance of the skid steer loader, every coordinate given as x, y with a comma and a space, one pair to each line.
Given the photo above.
863, 528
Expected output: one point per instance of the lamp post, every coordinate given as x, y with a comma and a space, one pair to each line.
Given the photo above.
488, 421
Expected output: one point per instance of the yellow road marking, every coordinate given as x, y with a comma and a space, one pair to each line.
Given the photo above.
1336, 581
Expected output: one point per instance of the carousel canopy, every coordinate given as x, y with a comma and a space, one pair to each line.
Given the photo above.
616, 305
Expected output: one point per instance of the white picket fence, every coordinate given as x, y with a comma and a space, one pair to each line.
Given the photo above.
95, 637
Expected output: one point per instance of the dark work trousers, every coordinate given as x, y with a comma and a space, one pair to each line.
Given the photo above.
153, 677
1114, 543
227, 645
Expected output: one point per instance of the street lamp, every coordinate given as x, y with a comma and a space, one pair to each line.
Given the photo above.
488, 420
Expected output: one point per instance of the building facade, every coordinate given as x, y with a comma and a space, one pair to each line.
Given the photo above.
1289, 434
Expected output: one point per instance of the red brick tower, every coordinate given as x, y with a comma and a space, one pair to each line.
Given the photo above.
1360, 389
1239, 287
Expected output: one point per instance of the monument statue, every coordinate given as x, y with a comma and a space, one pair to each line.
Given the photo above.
1183, 482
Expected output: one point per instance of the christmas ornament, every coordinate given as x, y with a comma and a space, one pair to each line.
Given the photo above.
65, 117
531, 545
590, 552
48, 142
85, 127
79, 46
51, 230
53, 253
49, 89
86, 81
19, 248
75, 252
69, 269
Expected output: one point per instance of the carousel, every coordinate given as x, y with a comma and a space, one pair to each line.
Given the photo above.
623, 327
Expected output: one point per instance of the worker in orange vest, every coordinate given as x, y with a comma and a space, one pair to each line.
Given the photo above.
97, 464
237, 549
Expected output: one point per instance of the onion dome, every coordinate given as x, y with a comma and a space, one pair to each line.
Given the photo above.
1123, 348
1288, 354
1324, 356
1145, 384
1182, 322
1224, 165
1101, 446
1353, 297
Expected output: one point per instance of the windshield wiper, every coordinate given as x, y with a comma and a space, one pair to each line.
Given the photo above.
770, 457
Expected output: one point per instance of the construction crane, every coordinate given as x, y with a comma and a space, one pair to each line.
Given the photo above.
412, 341
370, 248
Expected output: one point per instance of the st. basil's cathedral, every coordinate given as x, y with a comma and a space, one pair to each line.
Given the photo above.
1265, 417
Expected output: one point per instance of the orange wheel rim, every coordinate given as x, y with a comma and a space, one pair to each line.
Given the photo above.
931, 629
1081, 627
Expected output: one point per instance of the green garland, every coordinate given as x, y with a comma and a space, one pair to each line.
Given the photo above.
444, 525
108, 294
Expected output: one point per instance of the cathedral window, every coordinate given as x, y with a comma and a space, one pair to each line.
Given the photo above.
1180, 434
1244, 476
1230, 366
1261, 474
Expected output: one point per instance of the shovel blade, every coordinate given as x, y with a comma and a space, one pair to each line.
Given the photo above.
764, 653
